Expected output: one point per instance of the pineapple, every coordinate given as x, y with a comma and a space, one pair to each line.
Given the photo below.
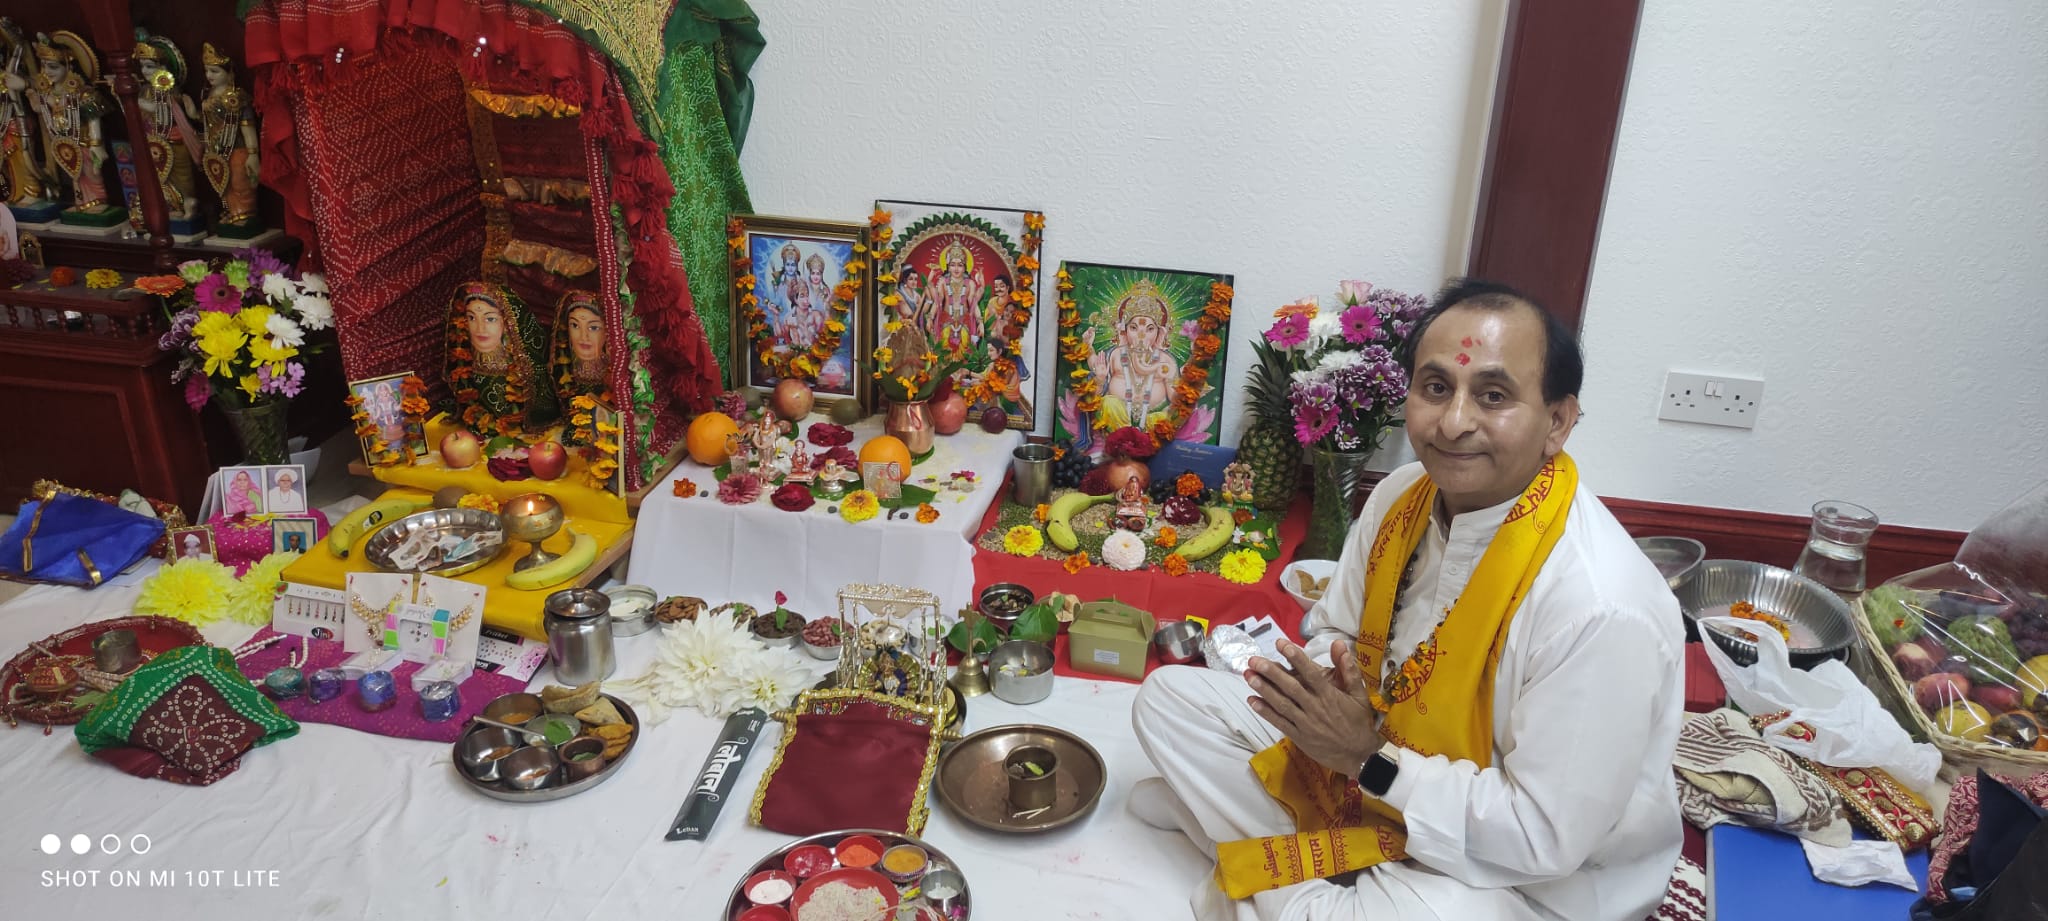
1269, 445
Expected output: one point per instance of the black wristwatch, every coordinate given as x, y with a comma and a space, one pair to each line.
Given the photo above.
1376, 776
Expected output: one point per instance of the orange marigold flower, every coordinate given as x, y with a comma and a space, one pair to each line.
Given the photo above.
1041, 513
1176, 565
1168, 537
1077, 562
926, 514
1219, 291
1027, 262
880, 217
1242, 515
1187, 484
685, 488
1034, 220
1162, 431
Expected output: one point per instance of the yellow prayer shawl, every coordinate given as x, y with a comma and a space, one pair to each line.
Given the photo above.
1439, 702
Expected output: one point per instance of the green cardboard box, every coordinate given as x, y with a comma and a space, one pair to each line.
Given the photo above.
1110, 638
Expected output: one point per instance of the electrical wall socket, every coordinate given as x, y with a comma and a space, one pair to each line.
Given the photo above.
1711, 399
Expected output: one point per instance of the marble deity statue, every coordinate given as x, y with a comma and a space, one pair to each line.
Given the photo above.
23, 178
229, 159
495, 353
1133, 512
167, 126
1237, 484
581, 353
1138, 372
799, 463
69, 105
953, 305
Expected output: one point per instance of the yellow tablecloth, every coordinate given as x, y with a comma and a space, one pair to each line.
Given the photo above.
578, 499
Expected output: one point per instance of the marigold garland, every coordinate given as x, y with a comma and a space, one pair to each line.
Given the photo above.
860, 505
997, 379
376, 451
601, 438
1193, 376
1077, 562
1243, 567
1023, 540
1175, 564
803, 365
1167, 537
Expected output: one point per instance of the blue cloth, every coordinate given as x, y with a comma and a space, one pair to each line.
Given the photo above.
72, 540
1757, 874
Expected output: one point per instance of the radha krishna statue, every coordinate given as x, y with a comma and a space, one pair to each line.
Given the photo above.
69, 106
495, 350
167, 117
230, 160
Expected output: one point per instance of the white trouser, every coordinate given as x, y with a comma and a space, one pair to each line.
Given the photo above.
1200, 734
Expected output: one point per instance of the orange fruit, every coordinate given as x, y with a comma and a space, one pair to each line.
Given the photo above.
882, 449
706, 438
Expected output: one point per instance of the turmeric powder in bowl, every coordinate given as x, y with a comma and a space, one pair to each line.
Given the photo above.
903, 863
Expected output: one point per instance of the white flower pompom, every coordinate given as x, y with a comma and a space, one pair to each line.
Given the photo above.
283, 331
315, 311
313, 283
279, 289
1124, 550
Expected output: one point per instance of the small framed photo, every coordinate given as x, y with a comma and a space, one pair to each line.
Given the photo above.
604, 414
384, 402
242, 490
194, 543
293, 535
284, 491
787, 275
884, 479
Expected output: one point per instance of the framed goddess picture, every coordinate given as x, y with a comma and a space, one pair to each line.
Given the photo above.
384, 403
967, 278
803, 295
1140, 347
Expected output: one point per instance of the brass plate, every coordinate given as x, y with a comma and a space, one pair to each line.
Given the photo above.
972, 783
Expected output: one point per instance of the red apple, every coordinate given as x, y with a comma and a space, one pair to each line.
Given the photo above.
994, 420
1939, 690
460, 450
1997, 698
949, 414
1913, 661
793, 399
548, 460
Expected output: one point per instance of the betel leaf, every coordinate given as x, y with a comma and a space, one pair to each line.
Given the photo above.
1039, 623
984, 631
500, 443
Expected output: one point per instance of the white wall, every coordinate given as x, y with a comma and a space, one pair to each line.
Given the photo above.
1850, 200
1291, 145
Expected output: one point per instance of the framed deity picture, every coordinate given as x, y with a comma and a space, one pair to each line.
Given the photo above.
194, 543
1141, 347
384, 403
293, 535
803, 295
964, 283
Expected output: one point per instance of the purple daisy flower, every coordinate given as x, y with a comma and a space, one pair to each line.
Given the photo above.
262, 262
215, 295
1290, 332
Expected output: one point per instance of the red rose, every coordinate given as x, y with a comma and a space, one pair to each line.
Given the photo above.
844, 455
791, 497
827, 435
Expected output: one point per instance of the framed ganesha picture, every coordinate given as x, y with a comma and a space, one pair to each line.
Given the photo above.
962, 281
803, 300
1139, 347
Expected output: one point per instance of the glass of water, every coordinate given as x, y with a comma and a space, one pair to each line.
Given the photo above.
1834, 554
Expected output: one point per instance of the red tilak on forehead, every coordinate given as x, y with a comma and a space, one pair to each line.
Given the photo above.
1468, 342
1464, 359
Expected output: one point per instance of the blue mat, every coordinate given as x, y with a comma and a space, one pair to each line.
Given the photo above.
1756, 874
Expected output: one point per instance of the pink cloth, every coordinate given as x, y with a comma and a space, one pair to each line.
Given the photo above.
402, 720
240, 544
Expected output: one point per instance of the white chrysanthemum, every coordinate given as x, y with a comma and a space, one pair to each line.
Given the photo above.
313, 283
279, 289
1323, 327
694, 666
769, 678
1124, 550
1343, 358
283, 330
315, 311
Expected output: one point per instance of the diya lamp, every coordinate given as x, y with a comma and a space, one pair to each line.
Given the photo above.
533, 518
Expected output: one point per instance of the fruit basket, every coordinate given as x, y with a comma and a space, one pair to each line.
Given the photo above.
1968, 661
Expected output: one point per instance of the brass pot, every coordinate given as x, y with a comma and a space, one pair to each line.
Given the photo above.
911, 421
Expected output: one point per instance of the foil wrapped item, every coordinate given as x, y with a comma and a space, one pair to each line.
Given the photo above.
1229, 649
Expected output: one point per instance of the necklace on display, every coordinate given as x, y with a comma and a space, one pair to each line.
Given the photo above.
373, 618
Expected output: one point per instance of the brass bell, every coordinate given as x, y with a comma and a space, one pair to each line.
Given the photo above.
969, 680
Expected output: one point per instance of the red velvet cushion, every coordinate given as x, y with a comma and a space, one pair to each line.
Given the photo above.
857, 769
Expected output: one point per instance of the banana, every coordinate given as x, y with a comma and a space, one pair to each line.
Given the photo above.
355, 524
1059, 518
1212, 538
582, 552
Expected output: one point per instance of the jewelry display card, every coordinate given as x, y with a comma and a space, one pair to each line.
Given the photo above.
372, 598
444, 622
506, 653
309, 610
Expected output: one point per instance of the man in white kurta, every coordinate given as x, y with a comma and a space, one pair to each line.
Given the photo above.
1576, 815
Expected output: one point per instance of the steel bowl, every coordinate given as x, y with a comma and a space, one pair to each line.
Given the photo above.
1678, 558
514, 708
1035, 662
528, 768
632, 609
1004, 594
1179, 642
460, 522
827, 653
1818, 618
482, 750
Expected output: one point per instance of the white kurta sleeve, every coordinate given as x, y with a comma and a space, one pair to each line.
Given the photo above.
1335, 617
1581, 729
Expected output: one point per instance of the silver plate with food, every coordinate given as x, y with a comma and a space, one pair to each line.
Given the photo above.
441, 542
525, 768
926, 885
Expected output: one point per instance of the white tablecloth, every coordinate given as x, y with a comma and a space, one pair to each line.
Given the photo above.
703, 547
363, 826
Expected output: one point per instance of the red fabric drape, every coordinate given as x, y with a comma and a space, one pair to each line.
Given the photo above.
304, 52
857, 769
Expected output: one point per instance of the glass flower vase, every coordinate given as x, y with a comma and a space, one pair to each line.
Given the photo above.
1338, 486
261, 430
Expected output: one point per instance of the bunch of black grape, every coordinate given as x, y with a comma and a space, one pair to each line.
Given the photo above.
1164, 488
1070, 466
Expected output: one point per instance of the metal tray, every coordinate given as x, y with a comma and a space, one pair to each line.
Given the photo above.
461, 522
498, 789
970, 778
829, 840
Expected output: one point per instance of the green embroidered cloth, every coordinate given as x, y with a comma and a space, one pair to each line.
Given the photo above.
186, 716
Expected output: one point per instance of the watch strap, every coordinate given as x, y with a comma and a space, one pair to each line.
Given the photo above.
1376, 776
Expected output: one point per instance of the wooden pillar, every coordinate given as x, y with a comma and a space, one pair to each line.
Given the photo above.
114, 31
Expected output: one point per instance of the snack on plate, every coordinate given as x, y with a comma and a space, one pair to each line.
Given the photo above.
601, 713
558, 699
1747, 611
615, 737
1310, 587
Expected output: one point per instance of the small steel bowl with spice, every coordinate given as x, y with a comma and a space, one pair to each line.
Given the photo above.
904, 864
1020, 671
1002, 603
822, 639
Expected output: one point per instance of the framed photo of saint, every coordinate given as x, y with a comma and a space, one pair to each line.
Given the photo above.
967, 278
1140, 347
803, 296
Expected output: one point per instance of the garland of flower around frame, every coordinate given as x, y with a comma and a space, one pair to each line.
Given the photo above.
1017, 319
375, 449
602, 437
414, 404
1195, 373
803, 365
474, 415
